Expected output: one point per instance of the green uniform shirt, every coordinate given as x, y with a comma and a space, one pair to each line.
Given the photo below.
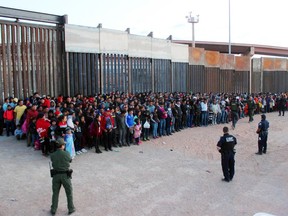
61, 160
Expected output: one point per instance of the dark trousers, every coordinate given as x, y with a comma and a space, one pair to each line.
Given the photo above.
107, 139
282, 110
129, 136
146, 133
45, 145
177, 124
52, 146
96, 142
228, 163
10, 127
77, 141
251, 113
235, 117
1, 126
262, 143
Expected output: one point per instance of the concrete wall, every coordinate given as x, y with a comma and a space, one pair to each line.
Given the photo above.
99, 40
80, 39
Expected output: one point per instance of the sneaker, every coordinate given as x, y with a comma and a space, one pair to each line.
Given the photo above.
83, 150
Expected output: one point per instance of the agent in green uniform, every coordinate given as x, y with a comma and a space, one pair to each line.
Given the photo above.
61, 176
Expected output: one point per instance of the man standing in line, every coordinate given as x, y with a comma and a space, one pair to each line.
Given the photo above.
18, 111
262, 132
61, 175
282, 104
226, 146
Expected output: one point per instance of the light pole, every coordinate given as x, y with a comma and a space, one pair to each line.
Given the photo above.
229, 28
193, 20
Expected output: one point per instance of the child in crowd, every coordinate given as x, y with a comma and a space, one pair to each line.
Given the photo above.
52, 135
78, 137
18, 132
69, 147
137, 131
9, 120
32, 132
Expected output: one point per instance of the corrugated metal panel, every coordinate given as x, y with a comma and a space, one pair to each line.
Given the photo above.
197, 73
84, 73
162, 75
180, 77
141, 74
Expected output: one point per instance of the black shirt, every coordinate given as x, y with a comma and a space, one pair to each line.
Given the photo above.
227, 142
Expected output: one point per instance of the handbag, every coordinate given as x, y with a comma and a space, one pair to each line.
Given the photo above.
146, 124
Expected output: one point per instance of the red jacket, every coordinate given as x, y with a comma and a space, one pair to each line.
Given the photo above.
104, 122
9, 115
42, 126
31, 114
46, 103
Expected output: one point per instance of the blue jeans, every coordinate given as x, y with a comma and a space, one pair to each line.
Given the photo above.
204, 118
155, 128
189, 120
162, 127
223, 116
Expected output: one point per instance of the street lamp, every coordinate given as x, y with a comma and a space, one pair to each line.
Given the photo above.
193, 20
229, 47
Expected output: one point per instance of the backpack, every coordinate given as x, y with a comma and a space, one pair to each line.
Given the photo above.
108, 123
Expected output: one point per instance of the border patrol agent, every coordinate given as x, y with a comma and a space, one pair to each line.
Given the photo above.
262, 132
61, 175
226, 146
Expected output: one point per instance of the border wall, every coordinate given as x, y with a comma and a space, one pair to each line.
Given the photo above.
69, 59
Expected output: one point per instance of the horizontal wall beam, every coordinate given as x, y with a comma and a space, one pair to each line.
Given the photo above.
32, 16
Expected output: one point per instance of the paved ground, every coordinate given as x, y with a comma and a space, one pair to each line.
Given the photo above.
178, 175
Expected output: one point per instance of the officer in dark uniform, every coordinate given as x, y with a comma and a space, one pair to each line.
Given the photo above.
262, 132
61, 175
226, 146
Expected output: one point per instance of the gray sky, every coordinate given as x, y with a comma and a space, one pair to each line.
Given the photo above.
252, 21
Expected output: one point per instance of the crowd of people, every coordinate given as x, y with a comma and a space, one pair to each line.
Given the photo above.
122, 119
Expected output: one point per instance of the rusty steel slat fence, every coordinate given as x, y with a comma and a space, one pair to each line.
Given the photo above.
241, 81
212, 79
275, 81
28, 56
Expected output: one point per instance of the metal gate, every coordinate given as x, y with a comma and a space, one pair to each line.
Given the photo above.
31, 55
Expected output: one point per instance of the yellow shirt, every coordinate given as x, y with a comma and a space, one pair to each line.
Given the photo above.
19, 110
